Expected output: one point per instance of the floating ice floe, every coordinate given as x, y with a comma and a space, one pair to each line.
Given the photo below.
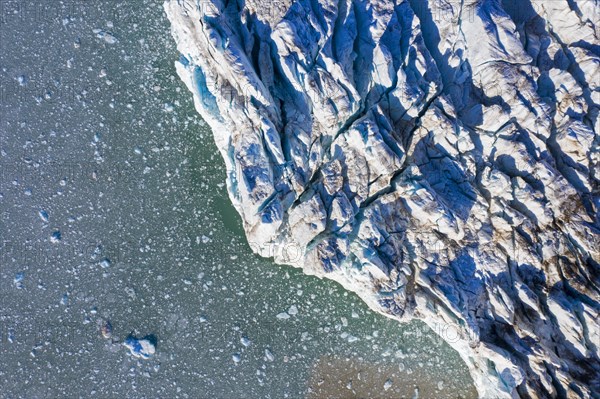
106, 329
269, 355
55, 237
141, 348
18, 280
43, 215
106, 36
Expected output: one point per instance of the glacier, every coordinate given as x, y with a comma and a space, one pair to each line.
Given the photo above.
439, 158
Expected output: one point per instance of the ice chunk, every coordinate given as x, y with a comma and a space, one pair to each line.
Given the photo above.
43, 215
106, 36
18, 280
142, 348
269, 355
106, 329
388, 384
55, 237
283, 316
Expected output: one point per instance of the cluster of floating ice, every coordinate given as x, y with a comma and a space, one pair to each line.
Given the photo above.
439, 158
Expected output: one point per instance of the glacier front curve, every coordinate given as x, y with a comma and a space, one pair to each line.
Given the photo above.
439, 158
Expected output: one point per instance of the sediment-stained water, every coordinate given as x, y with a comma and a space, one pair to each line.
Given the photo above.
115, 223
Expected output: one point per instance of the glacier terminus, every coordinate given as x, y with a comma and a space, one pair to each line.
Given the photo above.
440, 158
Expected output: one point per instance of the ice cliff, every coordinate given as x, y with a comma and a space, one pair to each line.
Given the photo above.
439, 158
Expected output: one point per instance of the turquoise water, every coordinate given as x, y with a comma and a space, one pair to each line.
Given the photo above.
99, 135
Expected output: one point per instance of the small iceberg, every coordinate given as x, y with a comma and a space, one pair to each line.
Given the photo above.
142, 348
106, 330
108, 37
43, 215
18, 280
56, 237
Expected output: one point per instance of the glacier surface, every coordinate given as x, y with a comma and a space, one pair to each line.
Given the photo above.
439, 158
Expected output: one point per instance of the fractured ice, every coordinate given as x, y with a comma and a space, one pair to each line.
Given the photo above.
439, 158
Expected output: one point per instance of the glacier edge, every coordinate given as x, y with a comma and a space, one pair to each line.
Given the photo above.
441, 159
